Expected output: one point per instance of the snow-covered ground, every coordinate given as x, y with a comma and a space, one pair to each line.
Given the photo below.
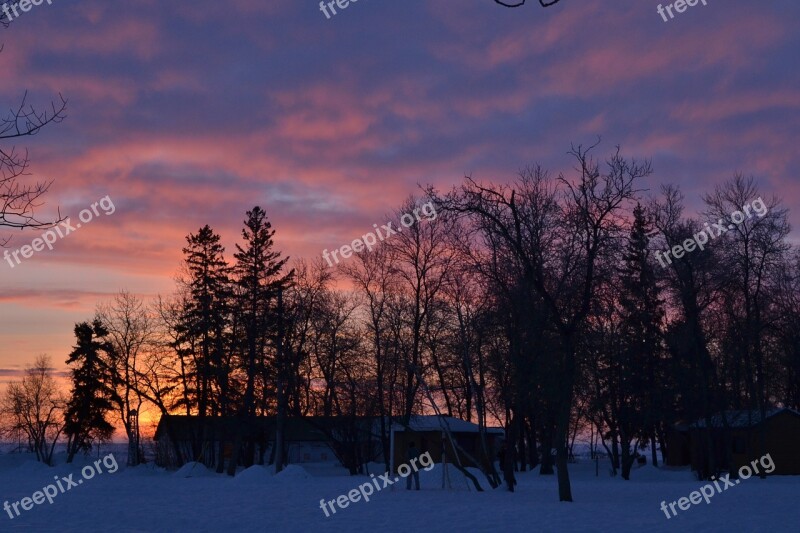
145, 499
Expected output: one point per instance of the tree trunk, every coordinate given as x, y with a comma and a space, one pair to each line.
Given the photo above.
281, 418
653, 451
547, 466
562, 453
509, 455
627, 458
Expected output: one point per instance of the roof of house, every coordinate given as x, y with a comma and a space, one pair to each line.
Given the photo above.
422, 423
742, 418
314, 428
185, 427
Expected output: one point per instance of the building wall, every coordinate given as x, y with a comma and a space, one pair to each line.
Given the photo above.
782, 443
311, 452
678, 448
740, 447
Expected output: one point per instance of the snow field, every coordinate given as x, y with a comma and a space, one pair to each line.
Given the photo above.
145, 499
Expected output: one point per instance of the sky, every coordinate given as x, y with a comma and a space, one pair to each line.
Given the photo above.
190, 113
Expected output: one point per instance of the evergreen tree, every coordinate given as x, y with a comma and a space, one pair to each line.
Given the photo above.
258, 278
92, 390
259, 281
641, 314
204, 324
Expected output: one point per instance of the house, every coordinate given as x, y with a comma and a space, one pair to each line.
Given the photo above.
736, 440
349, 441
179, 439
429, 434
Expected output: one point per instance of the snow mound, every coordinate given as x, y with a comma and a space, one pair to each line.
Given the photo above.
193, 469
375, 468
254, 474
650, 473
143, 470
14, 460
31, 465
326, 470
454, 479
293, 473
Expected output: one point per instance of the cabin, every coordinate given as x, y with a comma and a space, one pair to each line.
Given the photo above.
429, 434
179, 439
736, 441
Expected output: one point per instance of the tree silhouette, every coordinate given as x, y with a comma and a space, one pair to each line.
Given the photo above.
543, 3
19, 201
93, 395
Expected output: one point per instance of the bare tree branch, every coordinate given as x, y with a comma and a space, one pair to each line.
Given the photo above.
18, 201
543, 3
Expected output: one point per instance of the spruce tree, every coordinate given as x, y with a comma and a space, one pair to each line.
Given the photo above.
259, 281
92, 390
640, 366
204, 324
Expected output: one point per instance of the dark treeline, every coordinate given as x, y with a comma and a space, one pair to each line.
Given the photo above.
539, 305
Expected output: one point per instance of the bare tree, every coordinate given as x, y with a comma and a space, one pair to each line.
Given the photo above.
787, 330
372, 277
556, 233
694, 284
131, 332
753, 257
34, 408
421, 256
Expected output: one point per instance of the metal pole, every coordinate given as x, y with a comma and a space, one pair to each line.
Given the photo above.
391, 448
444, 460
